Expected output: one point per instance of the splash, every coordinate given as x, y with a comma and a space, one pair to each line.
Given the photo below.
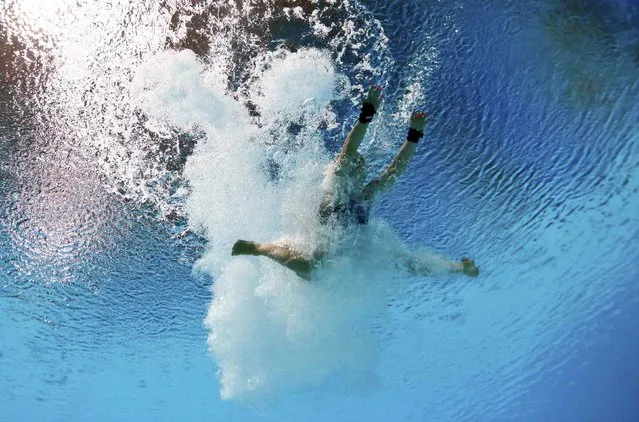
270, 332
247, 108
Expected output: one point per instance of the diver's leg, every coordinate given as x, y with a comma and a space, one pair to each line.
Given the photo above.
282, 254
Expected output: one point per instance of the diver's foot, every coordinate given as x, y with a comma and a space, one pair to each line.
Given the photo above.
244, 247
469, 268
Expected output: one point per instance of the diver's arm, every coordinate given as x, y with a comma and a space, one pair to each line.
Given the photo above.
354, 139
392, 172
370, 104
426, 264
465, 266
401, 160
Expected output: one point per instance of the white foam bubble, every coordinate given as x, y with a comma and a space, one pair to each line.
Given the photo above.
174, 86
297, 83
273, 333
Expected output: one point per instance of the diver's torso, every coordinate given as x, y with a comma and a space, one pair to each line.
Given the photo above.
343, 201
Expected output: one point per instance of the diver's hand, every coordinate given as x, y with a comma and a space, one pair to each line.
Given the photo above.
417, 124
418, 121
469, 268
374, 97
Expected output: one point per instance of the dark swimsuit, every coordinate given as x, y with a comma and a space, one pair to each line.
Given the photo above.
354, 211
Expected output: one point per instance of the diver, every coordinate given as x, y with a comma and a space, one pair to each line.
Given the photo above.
349, 200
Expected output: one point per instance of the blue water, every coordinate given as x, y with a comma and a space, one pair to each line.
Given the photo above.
530, 166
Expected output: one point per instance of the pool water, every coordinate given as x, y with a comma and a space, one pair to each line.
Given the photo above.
139, 140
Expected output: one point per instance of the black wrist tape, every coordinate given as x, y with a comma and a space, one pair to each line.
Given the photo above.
414, 135
368, 111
